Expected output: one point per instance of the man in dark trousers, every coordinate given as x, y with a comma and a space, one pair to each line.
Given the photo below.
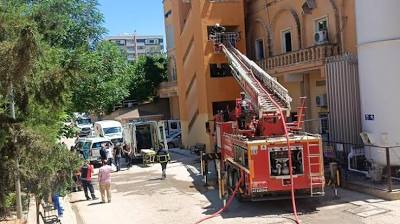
163, 158
86, 179
128, 155
117, 156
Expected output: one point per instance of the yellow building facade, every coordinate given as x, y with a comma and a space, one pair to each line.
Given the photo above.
203, 83
309, 46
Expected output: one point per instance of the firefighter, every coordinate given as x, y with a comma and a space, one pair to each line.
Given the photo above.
163, 158
244, 110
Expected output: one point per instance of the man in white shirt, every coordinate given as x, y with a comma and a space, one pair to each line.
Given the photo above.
109, 150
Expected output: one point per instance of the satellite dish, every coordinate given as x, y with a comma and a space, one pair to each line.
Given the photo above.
308, 6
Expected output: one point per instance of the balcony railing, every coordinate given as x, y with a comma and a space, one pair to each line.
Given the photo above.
303, 56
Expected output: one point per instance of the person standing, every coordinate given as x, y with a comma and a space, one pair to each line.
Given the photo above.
56, 190
57, 204
109, 150
86, 179
117, 156
163, 158
128, 155
105, 181
103, 153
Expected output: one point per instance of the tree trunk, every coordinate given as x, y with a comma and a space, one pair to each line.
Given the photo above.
37, 200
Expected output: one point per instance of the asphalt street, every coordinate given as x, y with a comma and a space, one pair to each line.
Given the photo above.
140, 196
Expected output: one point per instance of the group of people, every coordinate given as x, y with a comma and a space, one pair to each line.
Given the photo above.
104, 179
108, 154
114, 154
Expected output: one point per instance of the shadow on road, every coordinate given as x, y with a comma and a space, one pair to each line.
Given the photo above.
95, 203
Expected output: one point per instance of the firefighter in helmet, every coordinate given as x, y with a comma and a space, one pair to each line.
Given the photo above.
163, 158
244, 110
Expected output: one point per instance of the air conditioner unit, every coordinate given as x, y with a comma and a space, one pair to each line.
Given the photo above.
308, 6
321, 100
321, 37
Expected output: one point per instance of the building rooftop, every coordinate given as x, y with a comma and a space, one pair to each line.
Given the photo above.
132, 36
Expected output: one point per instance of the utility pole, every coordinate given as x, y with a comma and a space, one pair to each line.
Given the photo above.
17, 179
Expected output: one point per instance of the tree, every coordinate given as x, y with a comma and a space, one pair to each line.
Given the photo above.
105, 82
41, 43
148, 73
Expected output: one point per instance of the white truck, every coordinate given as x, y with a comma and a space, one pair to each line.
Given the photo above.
109, 129
144, 135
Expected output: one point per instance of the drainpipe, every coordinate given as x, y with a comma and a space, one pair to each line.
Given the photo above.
341, 27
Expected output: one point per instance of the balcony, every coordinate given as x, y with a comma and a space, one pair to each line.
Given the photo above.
168, 89
301, 59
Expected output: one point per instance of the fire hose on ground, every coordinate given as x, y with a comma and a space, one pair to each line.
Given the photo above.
227, 204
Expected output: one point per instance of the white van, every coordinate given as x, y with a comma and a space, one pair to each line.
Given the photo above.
145, 135
109, 129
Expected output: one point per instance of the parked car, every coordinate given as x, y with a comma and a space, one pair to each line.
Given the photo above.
91, 146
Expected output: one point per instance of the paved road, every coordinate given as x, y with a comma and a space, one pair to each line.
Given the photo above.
139, 196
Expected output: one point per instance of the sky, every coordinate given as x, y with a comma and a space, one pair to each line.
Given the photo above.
126, 16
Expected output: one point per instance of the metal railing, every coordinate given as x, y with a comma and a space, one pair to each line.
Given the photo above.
348, 155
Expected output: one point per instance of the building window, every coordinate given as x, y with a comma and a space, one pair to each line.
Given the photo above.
324, 126
130, 42
321, 31
167, 14
225, 106
131, 57
141, 47
140, 40
220, 70
152, 41
131, 48
321, 24
259, 49
286, 41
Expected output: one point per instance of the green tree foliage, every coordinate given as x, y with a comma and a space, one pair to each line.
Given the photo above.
147, 75
105, 81
41, 48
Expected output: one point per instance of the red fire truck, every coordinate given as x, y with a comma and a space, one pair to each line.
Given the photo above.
254, 143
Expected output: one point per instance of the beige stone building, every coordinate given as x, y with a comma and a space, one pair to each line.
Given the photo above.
310, 46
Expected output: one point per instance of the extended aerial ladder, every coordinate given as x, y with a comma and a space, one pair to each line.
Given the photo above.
266, 94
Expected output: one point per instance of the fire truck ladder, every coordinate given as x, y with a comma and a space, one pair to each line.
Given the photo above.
265, 92
317, 181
